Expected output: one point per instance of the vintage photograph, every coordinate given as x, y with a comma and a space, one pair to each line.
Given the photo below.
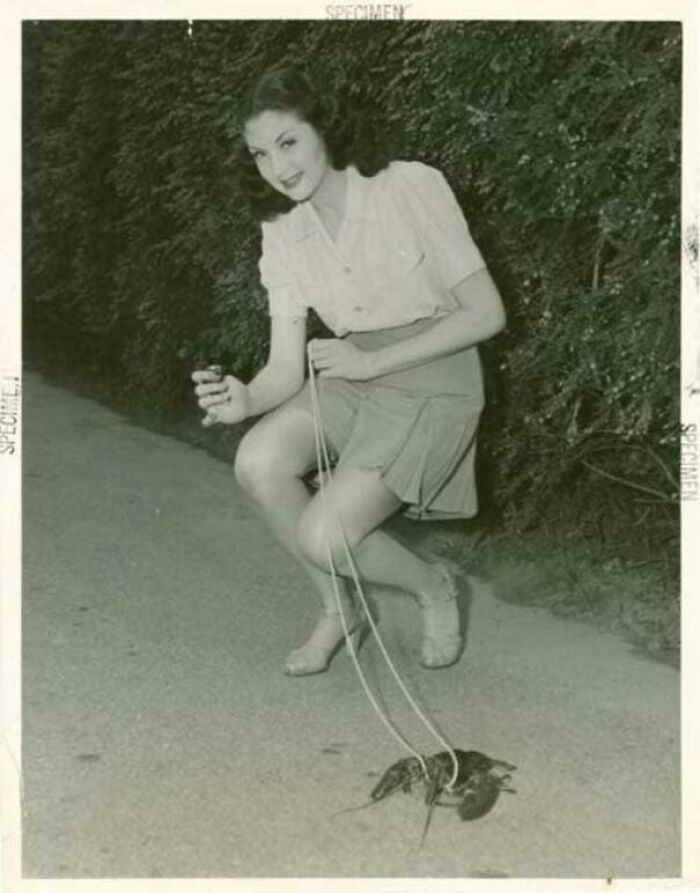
351, 447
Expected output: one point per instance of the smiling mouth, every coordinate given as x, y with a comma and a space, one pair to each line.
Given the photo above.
293, 182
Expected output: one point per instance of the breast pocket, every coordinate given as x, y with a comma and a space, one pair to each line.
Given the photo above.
389, 260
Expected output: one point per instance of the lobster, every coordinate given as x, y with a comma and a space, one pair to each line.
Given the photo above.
479, 781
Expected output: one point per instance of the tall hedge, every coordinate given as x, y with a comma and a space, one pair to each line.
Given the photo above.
562, 141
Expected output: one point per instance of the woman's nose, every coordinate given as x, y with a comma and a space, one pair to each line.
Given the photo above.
277, 166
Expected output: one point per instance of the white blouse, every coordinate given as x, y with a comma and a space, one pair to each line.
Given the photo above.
402, 245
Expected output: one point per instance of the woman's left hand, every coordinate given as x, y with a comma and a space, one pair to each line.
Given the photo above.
336, 358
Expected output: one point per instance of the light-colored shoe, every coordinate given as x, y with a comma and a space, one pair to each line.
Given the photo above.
442, 640
325, 642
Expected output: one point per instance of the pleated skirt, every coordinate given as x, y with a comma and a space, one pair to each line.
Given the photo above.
416, 427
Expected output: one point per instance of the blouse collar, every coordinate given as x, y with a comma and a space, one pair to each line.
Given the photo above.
357, 206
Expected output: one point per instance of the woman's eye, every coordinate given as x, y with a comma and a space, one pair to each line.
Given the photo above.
288, 143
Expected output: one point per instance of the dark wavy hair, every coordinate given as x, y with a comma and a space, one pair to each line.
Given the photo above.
346, 122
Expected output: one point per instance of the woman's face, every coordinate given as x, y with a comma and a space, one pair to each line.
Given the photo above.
290, 154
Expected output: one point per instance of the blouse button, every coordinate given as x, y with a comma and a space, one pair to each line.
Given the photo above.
357, 308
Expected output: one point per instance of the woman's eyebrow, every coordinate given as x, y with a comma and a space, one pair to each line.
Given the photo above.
277, 138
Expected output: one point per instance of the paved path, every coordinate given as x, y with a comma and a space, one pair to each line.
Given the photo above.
162, 739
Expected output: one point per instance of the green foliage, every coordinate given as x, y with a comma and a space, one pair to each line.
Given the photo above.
562, 140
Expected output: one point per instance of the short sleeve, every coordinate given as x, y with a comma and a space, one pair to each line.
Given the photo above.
277, 273
439, 221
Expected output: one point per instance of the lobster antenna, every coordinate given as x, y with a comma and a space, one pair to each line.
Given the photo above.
429, 816
323, 462
354, 808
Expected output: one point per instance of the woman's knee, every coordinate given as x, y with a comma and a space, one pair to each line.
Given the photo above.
256, 462
314, 539
362, 501
266, 454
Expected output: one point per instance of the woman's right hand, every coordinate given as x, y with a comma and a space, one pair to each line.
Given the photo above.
225, 400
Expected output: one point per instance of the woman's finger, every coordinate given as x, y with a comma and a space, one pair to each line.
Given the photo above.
214, 400
199, 376
202, 390
321, 346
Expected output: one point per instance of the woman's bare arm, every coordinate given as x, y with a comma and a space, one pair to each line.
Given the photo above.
480, 316
283, 374
229, 401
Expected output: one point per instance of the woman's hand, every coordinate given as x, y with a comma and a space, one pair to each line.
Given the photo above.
225, 400
336, 358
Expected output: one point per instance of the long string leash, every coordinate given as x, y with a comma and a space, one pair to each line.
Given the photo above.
324, 473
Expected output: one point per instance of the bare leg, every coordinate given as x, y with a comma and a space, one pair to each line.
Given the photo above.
271, 461
360, 501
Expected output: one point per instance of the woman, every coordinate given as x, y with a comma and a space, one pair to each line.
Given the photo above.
382, 253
